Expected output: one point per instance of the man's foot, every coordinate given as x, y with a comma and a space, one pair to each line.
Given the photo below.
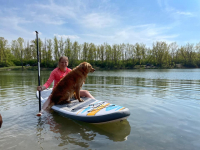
39, 114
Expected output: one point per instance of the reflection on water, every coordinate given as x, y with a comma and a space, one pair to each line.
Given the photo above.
115, 131
164, 106
80, 133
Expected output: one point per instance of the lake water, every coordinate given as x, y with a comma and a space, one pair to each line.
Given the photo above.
164, 106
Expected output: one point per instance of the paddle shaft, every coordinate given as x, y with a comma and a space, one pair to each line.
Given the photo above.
38, 69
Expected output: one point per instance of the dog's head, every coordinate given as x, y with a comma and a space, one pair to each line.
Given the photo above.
86, 67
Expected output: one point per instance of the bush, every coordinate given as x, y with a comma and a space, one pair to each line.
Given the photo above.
191, 65
6, 64
17, 62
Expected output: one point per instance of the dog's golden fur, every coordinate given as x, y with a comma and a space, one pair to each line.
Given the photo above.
71, 84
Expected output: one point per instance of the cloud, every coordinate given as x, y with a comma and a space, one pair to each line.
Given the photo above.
51, 13
76, 12
164, 5
90, 21
146, 33
56, 10
47, 19
184, 13
11, 27
160, 3
97, 20
13, 21
67, 36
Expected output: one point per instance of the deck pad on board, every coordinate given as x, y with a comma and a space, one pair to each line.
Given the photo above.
74, 102
75, 105
90, 110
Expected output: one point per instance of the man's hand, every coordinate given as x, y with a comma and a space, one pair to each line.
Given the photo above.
41, 88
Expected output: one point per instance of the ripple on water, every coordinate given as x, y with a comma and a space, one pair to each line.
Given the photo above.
164, 108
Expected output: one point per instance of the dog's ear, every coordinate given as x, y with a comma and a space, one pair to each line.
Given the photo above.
84, 66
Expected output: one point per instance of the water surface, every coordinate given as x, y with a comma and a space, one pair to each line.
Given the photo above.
164, 106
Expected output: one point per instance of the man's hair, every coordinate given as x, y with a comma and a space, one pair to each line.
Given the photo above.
65, 57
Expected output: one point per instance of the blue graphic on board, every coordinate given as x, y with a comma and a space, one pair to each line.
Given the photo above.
94, 105
113, 107
86, 109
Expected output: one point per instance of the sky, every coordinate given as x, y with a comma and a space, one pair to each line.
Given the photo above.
102, 21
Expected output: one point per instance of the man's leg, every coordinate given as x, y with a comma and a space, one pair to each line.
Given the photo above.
85, 93
44, 106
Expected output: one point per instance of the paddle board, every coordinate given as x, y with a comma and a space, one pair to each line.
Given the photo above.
91, 110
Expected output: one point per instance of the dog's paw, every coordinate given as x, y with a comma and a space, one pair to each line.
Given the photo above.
68, 102
81, 100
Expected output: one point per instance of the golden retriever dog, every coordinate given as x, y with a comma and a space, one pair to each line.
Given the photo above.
70, 85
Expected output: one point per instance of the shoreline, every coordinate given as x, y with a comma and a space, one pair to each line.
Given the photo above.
34, 68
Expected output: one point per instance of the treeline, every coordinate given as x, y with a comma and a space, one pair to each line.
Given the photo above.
117, 56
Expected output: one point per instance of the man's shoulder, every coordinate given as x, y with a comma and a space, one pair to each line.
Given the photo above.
55, 70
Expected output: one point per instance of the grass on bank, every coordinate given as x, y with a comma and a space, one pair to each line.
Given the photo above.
32, 68
35, 68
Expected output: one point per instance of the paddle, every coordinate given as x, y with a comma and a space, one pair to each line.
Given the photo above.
38, 70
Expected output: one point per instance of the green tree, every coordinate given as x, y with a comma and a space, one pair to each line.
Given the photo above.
5, 54
56, 49
49, 50
189, 55
61, 46
173, 48
27, 52
108, 55
68, 47
21, 49
130, 56
91, 53
122, 50
75, 53
159, 51
197, 50
44, 53
3, 44
117, 55
85, 51
140, 53
101, 52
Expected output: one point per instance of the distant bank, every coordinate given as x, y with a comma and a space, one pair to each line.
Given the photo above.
31, 68
34, 68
